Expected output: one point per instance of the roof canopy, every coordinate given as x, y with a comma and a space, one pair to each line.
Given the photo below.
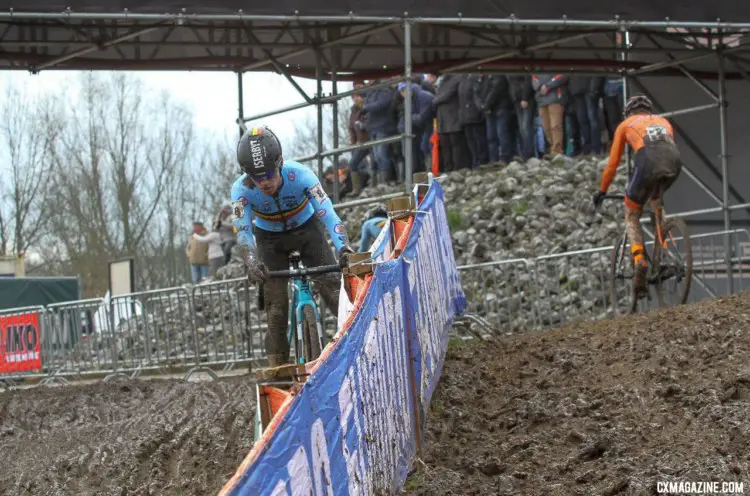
365, 39
643, 10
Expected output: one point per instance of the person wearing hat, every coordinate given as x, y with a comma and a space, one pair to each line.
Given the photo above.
197, 253
224, 224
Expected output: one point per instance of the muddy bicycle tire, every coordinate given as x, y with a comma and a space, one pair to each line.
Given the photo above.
618, 254
678, 224
310, 334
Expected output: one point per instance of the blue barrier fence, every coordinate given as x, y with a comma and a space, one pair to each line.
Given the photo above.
354, 428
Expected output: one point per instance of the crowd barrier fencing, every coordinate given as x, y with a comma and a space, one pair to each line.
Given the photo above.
551, 290
217, 326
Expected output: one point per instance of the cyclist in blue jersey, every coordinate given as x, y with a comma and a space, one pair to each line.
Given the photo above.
280, 207
371, 228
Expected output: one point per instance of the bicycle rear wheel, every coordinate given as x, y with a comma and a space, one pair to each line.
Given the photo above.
673, 264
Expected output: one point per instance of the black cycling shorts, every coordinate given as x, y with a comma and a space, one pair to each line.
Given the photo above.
657, 166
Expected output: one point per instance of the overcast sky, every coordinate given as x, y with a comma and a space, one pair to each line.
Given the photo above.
212, 95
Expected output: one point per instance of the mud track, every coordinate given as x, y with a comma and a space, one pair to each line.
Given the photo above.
596, 408
164, 437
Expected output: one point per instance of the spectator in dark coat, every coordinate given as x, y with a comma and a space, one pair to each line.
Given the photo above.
454, 153
357, 135
522, 95
472, 120
493, 99
427, 83
585, 92
612, 103
421, 120
380, 107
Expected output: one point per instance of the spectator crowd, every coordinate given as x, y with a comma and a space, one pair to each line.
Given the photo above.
206, 251
481, 119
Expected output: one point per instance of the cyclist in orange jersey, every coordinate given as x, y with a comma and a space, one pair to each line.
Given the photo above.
657, 166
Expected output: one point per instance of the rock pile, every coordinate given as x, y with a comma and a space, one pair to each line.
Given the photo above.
522, 212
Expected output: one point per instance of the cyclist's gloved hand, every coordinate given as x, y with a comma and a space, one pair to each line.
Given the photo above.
256, 271
599, 198
346, 250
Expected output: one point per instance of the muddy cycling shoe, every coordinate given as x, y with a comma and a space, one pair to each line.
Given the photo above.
640, 287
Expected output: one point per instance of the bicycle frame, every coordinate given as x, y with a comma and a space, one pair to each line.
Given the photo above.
302, 296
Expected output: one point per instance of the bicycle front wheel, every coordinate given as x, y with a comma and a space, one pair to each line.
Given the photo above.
311, 338
621, 277
673, 264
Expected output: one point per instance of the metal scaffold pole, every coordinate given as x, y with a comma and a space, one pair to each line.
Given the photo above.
725, 172
319, 105
240, 104
408, 139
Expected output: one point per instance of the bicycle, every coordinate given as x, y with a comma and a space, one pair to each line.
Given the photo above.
305, 331
664, 265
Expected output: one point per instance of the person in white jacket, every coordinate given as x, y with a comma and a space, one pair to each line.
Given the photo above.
215, 252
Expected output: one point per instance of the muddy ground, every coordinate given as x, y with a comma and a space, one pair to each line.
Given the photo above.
141, 437
597, 408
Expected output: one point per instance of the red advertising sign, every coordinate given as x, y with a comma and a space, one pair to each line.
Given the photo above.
20, 336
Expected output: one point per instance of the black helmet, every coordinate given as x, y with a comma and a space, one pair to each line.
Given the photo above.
259, 152
377, 212
638, 102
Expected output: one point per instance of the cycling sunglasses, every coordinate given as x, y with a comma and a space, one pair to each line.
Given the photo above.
267, 176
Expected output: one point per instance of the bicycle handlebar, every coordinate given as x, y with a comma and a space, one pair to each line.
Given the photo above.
610, 197
323, 269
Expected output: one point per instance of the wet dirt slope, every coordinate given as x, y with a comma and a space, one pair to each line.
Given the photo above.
608, 407
139, 437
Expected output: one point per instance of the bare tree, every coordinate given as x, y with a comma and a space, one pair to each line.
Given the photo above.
26, 127
196, 193
305, 139
116, 157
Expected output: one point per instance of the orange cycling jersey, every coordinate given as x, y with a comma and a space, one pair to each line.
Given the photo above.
633, 131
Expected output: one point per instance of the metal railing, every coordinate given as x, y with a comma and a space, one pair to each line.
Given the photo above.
557, 289
217, 326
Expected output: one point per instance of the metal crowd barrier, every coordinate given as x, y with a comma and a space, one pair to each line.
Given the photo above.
218, 326
502, 292
557, 289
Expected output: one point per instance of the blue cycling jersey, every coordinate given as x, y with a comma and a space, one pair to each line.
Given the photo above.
299, 198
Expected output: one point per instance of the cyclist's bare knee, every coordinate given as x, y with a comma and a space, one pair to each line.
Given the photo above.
633, 212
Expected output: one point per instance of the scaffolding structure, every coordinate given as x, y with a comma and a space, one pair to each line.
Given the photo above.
390, 49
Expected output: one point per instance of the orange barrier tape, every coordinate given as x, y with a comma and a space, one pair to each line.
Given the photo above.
403, 237
435, 140
276, 398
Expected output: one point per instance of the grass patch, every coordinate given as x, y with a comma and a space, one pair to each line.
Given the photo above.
437, 409
456, 343
455, 219
520, 208
414, 481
